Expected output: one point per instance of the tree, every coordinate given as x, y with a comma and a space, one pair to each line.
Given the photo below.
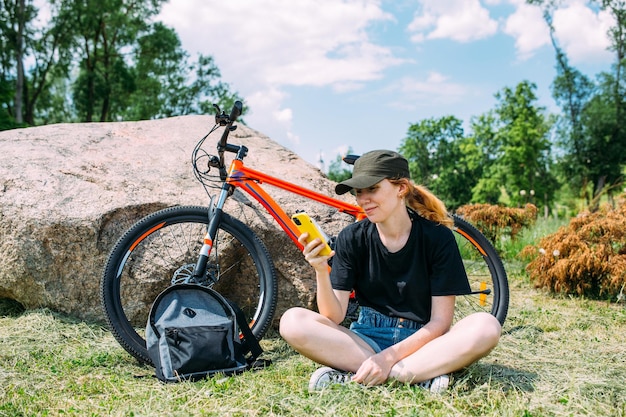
571, 90
158, 55
166, 82
611, 134
605, 146
101, 31
524, 165
441, 158
15, 16
593, 135
99, 60
45, 46
481, 154
338, 170
7, 121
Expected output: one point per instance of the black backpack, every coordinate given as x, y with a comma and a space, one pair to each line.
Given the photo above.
194, 332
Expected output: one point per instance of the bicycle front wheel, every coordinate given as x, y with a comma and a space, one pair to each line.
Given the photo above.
162, 249
485, 271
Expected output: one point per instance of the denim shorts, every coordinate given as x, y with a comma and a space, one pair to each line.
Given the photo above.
381, 331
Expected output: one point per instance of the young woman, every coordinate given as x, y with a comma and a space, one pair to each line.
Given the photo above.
404, 265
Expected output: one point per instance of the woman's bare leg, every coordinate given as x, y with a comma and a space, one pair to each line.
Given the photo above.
470, 339
323, 341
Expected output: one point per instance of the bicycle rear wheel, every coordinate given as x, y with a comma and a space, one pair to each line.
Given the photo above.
485, 271
162, 249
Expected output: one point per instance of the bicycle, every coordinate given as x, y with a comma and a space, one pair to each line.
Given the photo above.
208, 246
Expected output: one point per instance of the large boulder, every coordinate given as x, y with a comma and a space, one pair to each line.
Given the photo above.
68, 192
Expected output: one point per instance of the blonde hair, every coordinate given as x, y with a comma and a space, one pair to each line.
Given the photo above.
425, 203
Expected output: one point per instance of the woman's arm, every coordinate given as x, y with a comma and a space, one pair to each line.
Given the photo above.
331, 303
442, 313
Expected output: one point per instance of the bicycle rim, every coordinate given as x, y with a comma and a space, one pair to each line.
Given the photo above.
162, 249
486, 274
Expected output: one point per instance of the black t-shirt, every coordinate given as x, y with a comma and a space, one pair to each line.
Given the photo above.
399, 284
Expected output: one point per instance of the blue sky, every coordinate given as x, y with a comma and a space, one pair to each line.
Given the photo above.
323, 75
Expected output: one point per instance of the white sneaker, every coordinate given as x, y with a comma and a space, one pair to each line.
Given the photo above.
326, 376
437, 385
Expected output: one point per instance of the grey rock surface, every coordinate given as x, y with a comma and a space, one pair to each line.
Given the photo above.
69, 191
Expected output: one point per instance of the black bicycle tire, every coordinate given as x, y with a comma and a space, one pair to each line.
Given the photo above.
499, 305
120, 325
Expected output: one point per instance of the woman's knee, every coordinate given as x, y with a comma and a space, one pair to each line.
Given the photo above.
293, 322
483, 328
491, 327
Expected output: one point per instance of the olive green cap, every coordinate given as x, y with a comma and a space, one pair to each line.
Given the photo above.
373, 167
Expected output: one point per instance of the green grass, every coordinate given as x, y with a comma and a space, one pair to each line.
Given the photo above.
509, 249
557, 357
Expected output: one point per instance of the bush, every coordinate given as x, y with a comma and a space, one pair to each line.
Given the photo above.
496, 221
587, 257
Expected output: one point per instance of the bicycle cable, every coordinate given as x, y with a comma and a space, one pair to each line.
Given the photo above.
202, 162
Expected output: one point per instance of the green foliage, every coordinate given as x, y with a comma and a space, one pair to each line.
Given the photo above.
7, 121
606, 137
590, 130
338, 170
508, 151
510, 249
572, 91
101, 60
442, 158
487, 188
524, 166
100, 31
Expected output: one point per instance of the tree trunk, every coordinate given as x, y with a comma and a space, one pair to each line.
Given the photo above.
597, 193
19, 59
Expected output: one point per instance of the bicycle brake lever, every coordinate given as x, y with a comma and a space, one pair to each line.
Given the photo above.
221, 118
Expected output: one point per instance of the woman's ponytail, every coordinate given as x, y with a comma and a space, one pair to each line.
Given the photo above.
425, 203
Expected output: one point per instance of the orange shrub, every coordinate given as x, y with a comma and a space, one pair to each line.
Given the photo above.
495, 221
587, 257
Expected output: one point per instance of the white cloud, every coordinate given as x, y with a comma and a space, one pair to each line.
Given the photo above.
264, 46
347, 87
528, 28
284, 115
459, 20
269, 116
305, 42
579, 30
582, 33
436, 88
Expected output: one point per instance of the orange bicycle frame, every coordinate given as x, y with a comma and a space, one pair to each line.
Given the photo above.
250, 181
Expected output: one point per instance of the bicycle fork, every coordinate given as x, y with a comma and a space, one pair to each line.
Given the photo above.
215, 217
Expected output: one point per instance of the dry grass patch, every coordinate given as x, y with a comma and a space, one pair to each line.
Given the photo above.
586, 257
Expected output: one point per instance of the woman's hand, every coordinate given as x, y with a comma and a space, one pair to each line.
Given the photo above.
330, 303
373, 371
312, 251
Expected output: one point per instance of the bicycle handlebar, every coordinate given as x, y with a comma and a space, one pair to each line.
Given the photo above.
226, 121
236, 111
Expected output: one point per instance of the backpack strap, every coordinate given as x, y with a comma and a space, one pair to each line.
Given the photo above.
251, 344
